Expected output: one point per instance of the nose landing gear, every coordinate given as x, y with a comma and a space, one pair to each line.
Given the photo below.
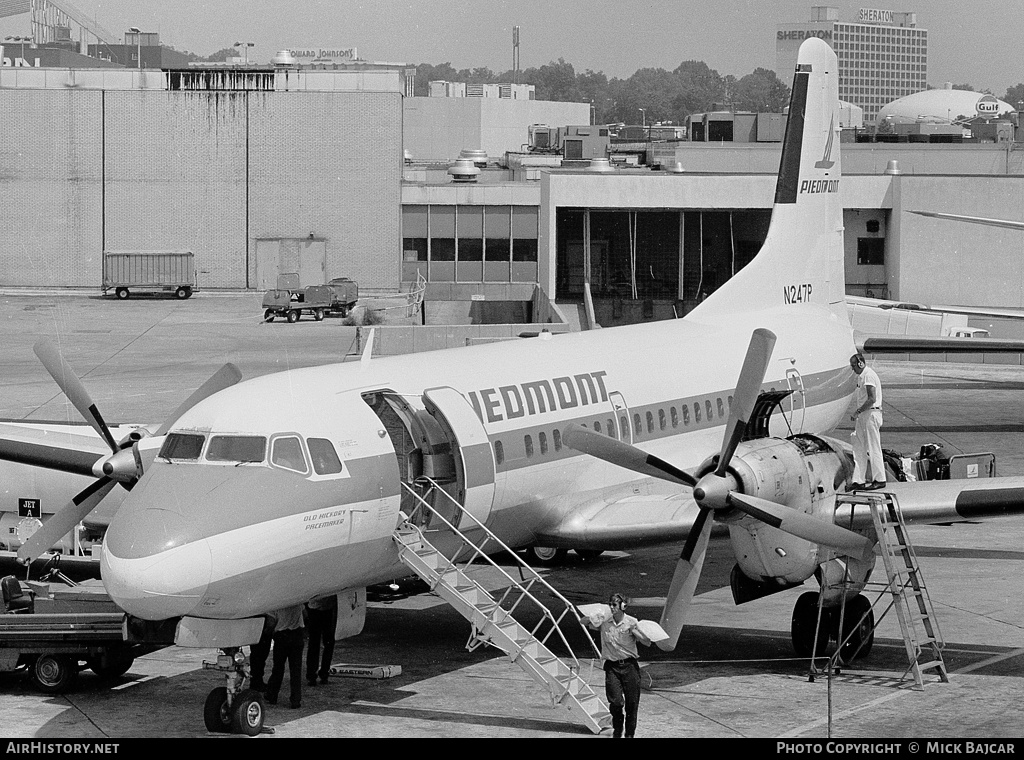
232, 708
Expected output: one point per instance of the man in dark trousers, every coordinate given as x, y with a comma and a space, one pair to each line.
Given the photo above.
619, 634
321, 621
289, 640
260, 651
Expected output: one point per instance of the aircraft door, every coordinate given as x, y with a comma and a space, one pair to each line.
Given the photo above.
471, 449
796, 402
621, 416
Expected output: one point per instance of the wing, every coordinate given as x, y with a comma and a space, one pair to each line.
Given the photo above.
1007, 223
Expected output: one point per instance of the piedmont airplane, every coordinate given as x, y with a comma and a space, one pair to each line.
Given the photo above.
265, 493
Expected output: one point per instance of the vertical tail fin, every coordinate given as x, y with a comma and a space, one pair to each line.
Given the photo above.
801, 260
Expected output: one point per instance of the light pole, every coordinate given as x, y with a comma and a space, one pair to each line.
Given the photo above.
22, 40
245, 49
138, 42
643, 115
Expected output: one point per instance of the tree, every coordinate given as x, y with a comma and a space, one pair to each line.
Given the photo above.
761, 91
699, 87
1015, 95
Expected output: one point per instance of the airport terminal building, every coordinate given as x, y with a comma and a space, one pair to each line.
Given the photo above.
265, 170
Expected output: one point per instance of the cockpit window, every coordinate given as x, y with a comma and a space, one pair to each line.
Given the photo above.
325, 458
182, 446
237, 448
287, 453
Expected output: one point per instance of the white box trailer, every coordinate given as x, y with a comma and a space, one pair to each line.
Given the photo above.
127, 271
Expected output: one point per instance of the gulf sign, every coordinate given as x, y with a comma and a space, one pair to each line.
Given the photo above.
987, 105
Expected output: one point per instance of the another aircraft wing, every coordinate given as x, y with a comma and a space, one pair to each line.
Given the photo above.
937, 344
1007, 223
52, 446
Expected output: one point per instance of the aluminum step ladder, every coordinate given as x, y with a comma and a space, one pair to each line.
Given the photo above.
492, 620
918, 623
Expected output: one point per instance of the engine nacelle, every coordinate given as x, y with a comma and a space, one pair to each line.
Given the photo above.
802, 472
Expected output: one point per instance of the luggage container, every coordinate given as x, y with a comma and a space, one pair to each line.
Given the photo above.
125, 272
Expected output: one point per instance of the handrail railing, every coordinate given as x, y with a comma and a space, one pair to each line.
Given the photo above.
533, 579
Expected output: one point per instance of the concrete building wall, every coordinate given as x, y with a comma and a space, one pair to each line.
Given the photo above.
438, 129
209, 172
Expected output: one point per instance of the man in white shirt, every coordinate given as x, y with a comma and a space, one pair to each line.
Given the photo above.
867, 442
619, 634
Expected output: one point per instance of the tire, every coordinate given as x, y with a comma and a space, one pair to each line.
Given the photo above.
182, 293
268, 316
293, 316
116, 664
122, 294
545, 556
215, 711
248, 713
589, 555
863, 636
805, 615
343, 311
318, 315
53, 673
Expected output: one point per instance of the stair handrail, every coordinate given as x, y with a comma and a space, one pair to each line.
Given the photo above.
535, 577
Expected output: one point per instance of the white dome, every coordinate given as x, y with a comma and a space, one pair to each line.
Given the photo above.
943, 106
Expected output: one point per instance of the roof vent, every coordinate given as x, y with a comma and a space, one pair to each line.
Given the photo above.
677, 168
284, 58
600, 165
893, 168
463, 170
478, 157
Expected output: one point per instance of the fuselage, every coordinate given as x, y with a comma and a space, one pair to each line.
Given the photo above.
254, 511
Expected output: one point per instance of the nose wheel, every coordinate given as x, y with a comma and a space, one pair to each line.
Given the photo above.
231, 708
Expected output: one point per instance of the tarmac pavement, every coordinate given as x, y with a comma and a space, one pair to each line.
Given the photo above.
734, 673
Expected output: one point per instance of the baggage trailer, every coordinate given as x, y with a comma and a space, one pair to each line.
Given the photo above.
50, 629
128, 271
290, 302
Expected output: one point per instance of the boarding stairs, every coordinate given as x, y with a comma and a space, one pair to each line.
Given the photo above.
492, 617
905, 586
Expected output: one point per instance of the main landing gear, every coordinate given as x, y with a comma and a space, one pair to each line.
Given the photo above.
231, 708
857, 634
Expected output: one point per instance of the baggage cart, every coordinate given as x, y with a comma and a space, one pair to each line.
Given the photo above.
126, 272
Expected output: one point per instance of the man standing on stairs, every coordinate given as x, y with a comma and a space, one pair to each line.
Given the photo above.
619, 634
867, 438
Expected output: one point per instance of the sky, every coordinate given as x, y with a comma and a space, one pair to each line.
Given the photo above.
976, 43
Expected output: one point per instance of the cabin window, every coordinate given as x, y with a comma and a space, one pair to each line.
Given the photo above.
674, 414
182, 446
499, 452
696, 412
287, 453
611, 428
597, 426
237, 448
650, 422
730, 403
325, 458
556, 438
661, 419
721, 407
542, 439
709, 409
637, 425
624, 425
686, 414
528, 442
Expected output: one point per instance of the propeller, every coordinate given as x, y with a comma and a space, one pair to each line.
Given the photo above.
123, 465
717, 490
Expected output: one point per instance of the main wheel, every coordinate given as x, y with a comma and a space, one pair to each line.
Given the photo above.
545, 556
805, 617
121, 293
113, 665
318, 315
268, 316
53, 673
293, 316
182, 293
248, 712
863, 631
215, 711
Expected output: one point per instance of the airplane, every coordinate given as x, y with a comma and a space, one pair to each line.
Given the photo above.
265, 493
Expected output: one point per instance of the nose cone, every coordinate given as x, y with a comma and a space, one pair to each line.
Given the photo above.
150, 568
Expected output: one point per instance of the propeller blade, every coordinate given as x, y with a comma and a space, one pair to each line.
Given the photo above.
223, 378
623, 454
63, 521
755, 366
803, 525
73, 388
51, 457
684, 580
